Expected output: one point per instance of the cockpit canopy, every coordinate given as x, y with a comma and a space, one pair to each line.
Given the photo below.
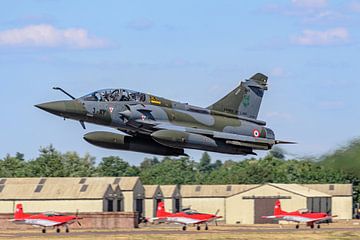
53, 214
114, 95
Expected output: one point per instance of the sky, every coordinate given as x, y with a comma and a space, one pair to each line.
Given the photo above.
189, 51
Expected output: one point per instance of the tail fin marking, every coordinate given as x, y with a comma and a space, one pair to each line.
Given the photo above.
160, 212
244, 100
19, 212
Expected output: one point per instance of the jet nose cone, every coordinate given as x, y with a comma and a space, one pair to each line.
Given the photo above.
53, 107
67, 108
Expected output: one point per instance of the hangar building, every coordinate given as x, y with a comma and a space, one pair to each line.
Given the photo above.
247, 207
172, 198
341, 198
238, 204
95, 194
153, 195
209, 198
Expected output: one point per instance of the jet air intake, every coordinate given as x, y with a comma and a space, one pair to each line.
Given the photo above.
139, 144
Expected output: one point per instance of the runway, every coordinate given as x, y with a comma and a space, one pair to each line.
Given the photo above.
165, 232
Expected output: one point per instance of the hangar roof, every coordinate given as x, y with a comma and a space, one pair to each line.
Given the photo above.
188, 191
151, 190
63, 187
56, 191
169, 190
332, 189
300, 190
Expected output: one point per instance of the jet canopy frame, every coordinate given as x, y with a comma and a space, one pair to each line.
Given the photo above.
114, 95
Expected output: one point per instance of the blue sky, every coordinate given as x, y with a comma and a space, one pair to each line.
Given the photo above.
191, 51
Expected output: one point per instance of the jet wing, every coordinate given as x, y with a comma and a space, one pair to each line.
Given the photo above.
230, 138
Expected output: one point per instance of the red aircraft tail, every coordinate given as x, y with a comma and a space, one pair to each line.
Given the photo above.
161, 210
277, 208
19, 213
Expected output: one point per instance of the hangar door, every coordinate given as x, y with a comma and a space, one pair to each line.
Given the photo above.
264, 207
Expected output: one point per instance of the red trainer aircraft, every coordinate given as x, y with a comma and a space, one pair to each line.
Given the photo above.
185, 218
44, 220
299, 216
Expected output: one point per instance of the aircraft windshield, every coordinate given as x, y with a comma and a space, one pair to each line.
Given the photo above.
114, 95
191, 212
52, 214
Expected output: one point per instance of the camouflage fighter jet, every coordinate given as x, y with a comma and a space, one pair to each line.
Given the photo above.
156, 125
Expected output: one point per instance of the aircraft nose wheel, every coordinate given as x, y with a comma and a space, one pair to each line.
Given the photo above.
318, 226
67, 230
184, 228
297, 226
43, 230
206, 227
312, 226
198, 227
58, 230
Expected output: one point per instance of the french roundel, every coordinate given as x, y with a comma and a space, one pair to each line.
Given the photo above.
256, 133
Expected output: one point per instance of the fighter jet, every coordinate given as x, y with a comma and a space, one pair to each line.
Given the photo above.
156, 125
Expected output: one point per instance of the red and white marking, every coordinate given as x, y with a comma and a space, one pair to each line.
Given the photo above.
256, 133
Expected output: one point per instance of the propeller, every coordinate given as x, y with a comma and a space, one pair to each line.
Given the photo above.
216, 213
77, 217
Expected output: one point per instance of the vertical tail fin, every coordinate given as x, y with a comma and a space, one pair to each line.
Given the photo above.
160, 212
19, 212
277, 208
244, 100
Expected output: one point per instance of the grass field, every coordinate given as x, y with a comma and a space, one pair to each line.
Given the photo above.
269, 232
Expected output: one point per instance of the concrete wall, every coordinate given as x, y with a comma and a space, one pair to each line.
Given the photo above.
169, 204
53, 205
239, 210
128, 201
205, 205
100, 220
149, 207
342, 207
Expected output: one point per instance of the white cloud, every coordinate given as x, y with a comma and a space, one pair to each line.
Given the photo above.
45, 35
327, 37
310, 4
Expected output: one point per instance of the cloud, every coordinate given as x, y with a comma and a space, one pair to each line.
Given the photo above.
308, 11
46, 35
310, 4
319, 38
140, 24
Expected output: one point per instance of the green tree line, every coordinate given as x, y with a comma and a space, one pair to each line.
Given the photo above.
342, 166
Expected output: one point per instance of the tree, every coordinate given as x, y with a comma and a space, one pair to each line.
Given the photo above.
149, 162
48, 164
170, 171
114, 166
205, 163
75, 166
13, 166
